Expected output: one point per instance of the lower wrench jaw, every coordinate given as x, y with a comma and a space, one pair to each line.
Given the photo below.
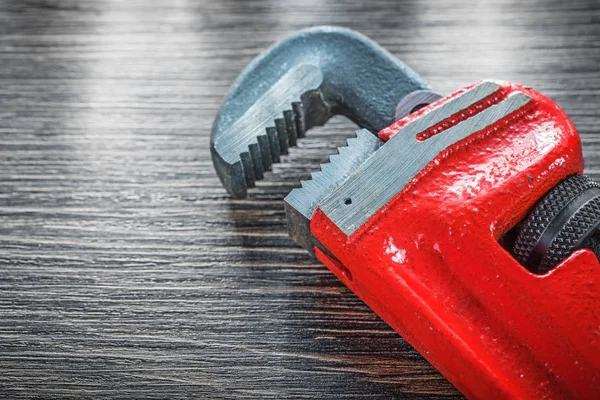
299, 228
301, 203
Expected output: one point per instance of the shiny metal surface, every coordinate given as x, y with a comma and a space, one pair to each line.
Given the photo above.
238, 152
430, 264
301, 203
414, 101
312, 75
397, 162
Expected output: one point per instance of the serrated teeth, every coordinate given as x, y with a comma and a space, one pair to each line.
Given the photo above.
248, 169
257, 162
299, 118
290, 126
265, 151
282, 135
274, 144
261, 128
305, 199
276, 141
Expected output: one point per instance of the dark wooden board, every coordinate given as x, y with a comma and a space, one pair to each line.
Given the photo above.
126, 271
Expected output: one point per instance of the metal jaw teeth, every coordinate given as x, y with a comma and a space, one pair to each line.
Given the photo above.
321, 72
301, 203
375, 183
247, 147
275, 142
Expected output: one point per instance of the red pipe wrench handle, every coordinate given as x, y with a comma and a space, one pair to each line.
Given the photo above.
431, 264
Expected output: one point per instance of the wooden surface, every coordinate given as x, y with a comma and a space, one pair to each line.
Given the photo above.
125, 270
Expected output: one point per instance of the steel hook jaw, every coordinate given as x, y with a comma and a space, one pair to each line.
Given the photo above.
300, 83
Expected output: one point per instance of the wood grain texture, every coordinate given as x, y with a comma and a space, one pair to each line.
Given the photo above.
126, 271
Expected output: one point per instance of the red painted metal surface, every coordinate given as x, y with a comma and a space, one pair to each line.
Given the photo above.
430, 264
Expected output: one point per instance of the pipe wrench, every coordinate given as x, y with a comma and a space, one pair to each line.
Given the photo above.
463, 221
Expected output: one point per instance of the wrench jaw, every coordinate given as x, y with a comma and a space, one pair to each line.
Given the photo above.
300, 83
232, 175
301, 203
248, 147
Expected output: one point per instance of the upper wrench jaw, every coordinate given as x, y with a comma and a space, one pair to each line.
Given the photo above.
231, 175
299, 83
245, 149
